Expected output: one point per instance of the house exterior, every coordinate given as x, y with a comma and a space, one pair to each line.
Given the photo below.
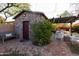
24, 21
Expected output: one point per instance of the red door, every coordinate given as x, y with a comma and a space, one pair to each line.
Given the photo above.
26, 30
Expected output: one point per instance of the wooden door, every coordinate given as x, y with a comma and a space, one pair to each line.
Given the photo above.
26, 30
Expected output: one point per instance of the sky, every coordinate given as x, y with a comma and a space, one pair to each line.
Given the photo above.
50, 9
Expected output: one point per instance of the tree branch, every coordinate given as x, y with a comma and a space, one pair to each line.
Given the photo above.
8, 6
5, 15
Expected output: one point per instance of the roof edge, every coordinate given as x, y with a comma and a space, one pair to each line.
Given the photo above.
41, 13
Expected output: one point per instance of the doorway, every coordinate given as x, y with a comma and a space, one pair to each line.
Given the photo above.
26, 30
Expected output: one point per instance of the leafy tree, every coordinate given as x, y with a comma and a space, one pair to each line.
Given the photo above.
65, 14
16, 7
23, 6
13, 10
1, 19
10, 9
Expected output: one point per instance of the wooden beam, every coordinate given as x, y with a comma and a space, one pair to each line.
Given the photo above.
71, 28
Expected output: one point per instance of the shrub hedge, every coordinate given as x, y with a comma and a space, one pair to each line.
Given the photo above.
42, 32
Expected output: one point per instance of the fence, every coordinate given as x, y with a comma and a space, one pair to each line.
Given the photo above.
7, 27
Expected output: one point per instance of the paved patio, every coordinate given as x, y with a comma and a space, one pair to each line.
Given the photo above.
55, 48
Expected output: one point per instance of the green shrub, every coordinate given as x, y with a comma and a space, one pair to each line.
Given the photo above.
42, 32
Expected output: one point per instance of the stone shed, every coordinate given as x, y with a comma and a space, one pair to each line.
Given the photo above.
24, 21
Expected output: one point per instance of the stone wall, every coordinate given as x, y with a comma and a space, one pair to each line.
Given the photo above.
31, 17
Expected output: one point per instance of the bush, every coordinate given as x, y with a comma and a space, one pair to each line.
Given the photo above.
42, 32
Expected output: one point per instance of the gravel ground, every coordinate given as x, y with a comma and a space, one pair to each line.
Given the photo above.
55, 48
